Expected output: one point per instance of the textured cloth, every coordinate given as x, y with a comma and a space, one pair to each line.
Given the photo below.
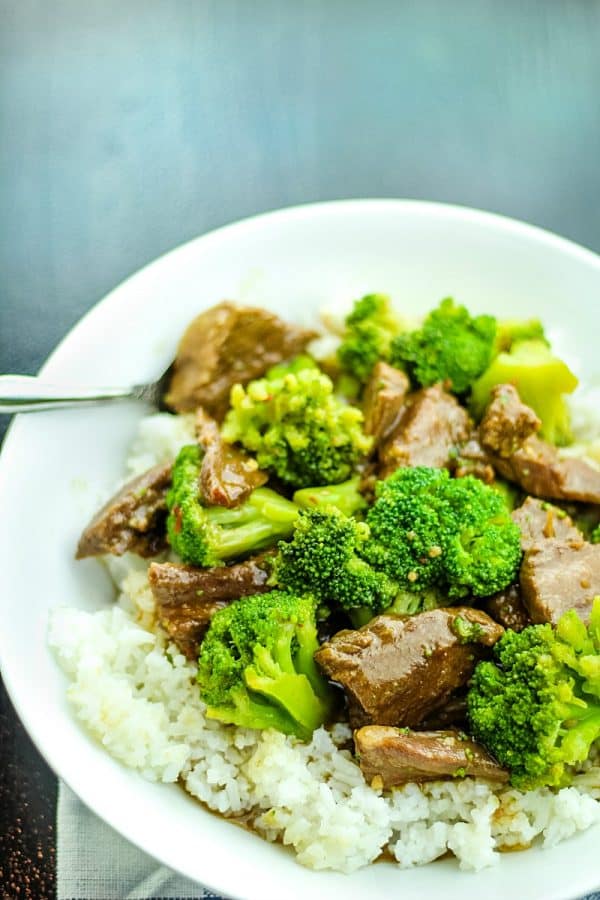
95, 863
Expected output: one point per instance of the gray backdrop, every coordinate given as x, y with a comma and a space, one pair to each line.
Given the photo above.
129, 126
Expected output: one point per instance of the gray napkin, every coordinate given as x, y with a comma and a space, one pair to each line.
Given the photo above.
95, 863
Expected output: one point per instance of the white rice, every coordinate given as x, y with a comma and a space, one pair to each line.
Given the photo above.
136, 693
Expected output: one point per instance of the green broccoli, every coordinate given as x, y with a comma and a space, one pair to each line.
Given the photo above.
323, 558
297, 428
595, 535
483, 554
428, 530
511, 331
207, 535
256, 666
346, 497
450, 346
541, 379
536, 707
370, 328
407, 523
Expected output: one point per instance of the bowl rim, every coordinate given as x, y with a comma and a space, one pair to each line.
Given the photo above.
450, 212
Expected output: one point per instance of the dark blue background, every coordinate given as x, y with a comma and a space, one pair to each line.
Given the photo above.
129, 126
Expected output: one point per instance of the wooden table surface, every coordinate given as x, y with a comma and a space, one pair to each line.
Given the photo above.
129, 126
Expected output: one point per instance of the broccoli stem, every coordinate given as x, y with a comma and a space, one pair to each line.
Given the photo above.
265, 517
292, 691
346, 497
250, 712
583, 728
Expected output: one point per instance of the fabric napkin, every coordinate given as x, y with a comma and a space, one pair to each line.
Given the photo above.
95, 863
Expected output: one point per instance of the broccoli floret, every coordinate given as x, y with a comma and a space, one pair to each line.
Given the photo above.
482, 556
450, 346
595, 535
207, 535
430, 530
536, 707
541, 379
511, 331
408, 521
323, 558
346, 497
370, 328
256, 666
297, 428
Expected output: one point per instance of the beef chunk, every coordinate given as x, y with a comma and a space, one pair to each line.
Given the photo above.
538, 469
560, 570
228, 476
507, 422
393, 756
187, 597
560, 575
224, 345
538, 521
384, 399
507, 433
473, 460
397, 669
133, 520
430, 429
507, 608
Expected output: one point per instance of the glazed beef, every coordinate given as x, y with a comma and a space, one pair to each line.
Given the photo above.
560, 570
384, 399
393, 756
225, 345
187, 597
228, 476
507, 432
133, 520
472, 459
507, 608
397, 670
507, 422
560, 575
539, 521
430, 429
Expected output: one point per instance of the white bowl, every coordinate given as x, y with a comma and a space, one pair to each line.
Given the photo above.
292, 261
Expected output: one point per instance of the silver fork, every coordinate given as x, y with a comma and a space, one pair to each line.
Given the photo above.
26, 393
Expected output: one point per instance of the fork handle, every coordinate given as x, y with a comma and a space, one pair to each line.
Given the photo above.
25, 393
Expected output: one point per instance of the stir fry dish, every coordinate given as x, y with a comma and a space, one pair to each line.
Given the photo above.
385, 558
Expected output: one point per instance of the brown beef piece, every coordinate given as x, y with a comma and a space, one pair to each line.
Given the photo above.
560, 570
187, 598
538, 521
397, 669
133, 520
560, 575
517, 454
507, 608
228, 476
384, 399
432, 427
538, 469
472, 459
225, 345
507, 422
393, 756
